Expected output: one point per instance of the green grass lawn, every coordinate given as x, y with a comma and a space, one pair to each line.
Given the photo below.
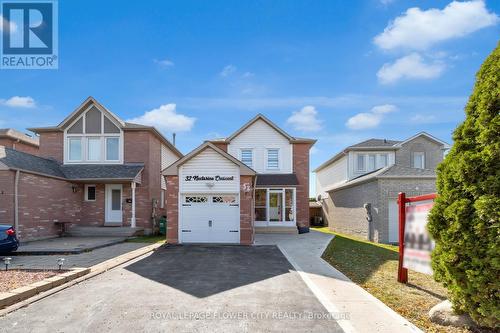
374, 267
148, 239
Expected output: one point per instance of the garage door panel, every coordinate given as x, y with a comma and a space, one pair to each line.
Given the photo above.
210, 219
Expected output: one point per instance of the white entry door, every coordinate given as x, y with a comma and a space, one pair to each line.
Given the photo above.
393, 221
210, 218
113, 206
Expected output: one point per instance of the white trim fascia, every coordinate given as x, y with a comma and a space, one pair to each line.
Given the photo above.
433, 138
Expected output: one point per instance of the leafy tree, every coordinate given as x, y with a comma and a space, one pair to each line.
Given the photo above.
465, 219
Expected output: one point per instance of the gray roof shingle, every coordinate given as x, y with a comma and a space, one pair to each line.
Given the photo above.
24, 161
375, 143
15, 159
289, 179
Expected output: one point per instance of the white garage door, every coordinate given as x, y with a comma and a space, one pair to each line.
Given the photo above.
393, 221
210, 218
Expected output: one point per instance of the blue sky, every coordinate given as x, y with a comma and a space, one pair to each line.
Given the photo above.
338, 71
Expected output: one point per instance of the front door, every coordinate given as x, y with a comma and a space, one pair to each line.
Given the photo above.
113, 204
275, 206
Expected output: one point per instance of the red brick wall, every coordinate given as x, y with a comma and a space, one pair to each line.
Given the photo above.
221, 145
138, 148
7, 179
21, 146
301, 169
246, 212
172, 209
93, 211
43, 201
52, 146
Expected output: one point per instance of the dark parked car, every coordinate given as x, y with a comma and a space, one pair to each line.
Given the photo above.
8, 240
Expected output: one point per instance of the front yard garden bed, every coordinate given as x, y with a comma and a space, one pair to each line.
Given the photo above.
15, 278
374, 267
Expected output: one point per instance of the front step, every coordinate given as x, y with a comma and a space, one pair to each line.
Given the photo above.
80, 231
276, 230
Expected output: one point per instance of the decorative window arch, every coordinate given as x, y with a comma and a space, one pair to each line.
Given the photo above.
94, 137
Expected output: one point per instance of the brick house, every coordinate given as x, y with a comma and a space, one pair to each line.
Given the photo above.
93, 169
18, 141
358, 187
256, 180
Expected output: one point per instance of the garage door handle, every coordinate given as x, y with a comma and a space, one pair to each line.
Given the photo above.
233, 230
210, 223
183, 230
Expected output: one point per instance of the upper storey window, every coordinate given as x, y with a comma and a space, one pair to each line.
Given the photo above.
93, 138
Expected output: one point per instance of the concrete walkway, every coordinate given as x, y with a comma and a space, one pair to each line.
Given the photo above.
66, 245
335, 291
86, 259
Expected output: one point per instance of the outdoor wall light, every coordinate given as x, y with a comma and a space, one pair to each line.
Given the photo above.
74, 188
60, 262
6, 261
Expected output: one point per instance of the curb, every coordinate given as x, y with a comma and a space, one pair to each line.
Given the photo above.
22, 293
21, 297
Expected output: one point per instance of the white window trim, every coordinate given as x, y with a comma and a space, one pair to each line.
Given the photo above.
82, 148
241, 156
418, 153
283, 222
358, 169
267, 159
368, 168
86, 192
106, 149
102, 135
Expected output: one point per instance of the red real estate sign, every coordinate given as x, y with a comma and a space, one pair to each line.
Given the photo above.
418, 243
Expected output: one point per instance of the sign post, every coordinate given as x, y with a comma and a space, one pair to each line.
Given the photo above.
402, 272
415, 244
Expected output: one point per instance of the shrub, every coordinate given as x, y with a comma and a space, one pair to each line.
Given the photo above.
465, 219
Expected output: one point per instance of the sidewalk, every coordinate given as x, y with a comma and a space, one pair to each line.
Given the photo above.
66, 245
86, 259
336, 292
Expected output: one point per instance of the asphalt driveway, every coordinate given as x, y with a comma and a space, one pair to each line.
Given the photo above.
184, 289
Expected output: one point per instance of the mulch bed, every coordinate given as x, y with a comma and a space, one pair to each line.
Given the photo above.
15, 278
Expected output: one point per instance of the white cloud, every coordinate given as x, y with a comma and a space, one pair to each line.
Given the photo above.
370, 119
411, 66
423, 119
19, 102
166, 118
3, 22
305, 120
164, 63
227, 70
419, 29
247, 75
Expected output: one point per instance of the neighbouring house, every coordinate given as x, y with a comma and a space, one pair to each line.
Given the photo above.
18, 141
93, 170
256, 180
358, 187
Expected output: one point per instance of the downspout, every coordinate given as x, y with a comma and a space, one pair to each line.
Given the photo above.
252, 214
16, 201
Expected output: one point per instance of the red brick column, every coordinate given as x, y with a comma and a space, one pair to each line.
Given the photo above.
301, 169
246, 212
172, 209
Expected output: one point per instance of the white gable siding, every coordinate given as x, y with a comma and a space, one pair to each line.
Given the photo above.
209, 163
167, 158
330, 175
259, 137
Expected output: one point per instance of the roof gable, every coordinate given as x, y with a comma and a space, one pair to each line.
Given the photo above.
173, 169
264, 119
426, 135
85, 106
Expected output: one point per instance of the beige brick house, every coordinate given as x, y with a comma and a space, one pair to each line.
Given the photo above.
358, 187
